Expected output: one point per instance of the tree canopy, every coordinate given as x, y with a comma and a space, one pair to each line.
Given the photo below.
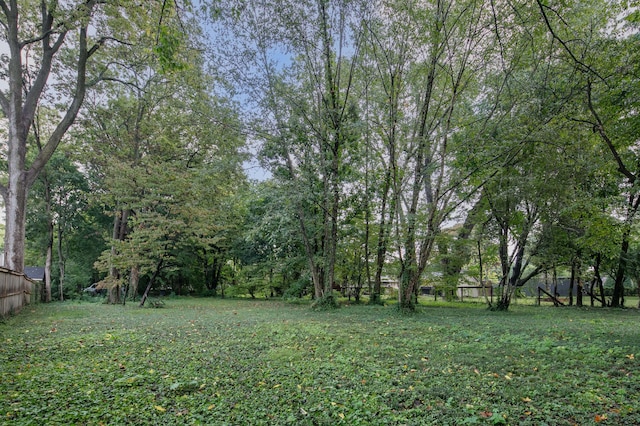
402, 140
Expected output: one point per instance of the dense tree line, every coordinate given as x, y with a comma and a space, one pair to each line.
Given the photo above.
423, 141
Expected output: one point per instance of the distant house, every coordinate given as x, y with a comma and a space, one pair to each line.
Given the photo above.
474, 290
36, 273
390, 283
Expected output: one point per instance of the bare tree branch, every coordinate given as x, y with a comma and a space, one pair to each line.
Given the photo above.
42, 36
48, 52
47, 151
5, 10
583, 67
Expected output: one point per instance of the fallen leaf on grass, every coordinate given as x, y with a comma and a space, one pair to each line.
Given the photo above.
598, 418
159, 408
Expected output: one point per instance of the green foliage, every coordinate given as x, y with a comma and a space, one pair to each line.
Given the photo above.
363, 106
170, 41
326, 302
298, 289
165, 152
204, 361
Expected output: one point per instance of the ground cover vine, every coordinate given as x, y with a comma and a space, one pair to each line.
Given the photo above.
240, 362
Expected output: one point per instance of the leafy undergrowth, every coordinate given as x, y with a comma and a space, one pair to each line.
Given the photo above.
241, 362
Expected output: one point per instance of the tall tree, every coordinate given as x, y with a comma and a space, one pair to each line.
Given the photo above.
308, 114
444, 75
52, 49
166, 153
599, 39
35, 35
388, 55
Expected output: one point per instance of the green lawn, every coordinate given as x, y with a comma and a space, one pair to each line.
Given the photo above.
244, 362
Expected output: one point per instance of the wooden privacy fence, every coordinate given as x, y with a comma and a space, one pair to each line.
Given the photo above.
16, 291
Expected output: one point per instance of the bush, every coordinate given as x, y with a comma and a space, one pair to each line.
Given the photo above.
208, 293
298, 289
325, 303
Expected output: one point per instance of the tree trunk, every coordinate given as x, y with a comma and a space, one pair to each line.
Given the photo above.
390, 179
512, 274
408, 281
61, 263
572, 282
410, 275
481, 281
577, 266
367, 235
46, 295
134, 279
316, 273
387, 215
332, 141
152, 281
503, 251
580, 291
120, 230
617, 300
602, 295
598, 280
15, 193
15, 215
381, 252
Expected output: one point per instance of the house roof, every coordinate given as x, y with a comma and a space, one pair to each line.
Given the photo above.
36, 273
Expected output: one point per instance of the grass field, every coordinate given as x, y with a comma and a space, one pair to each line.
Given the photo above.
243, 362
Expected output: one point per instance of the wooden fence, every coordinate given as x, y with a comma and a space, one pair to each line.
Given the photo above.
16, 291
